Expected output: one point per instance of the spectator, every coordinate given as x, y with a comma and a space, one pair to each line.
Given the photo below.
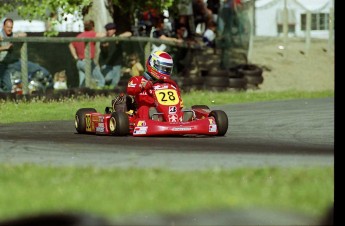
213, 5
202, 14
181, 32
35, 71
111, 56
209, 35
60, 80
159, 32
136, 67
7, 56
77, 50
226, 16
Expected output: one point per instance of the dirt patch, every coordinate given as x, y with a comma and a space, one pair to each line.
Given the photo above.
292, 66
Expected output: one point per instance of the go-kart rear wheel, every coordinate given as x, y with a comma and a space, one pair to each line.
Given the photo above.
221, 121
119, 124
80, 120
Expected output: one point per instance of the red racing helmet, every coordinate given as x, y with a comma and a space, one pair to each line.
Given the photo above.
159, 65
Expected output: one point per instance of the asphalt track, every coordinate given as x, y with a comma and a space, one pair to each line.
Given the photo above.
278, 133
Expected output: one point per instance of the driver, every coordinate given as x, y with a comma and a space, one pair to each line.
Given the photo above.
159, 66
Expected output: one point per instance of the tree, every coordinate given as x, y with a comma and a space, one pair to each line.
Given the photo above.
101, 11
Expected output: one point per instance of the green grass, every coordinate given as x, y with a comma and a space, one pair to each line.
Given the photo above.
65, 109
29, 189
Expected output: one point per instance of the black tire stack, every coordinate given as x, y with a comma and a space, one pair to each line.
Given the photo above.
252, 74
191, 80
217, 79
236, 80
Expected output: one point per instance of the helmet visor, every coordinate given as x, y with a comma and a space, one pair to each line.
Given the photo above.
163, 68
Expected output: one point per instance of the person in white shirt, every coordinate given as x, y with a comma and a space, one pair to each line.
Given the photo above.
209, 35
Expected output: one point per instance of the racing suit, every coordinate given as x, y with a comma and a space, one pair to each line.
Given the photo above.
144, 97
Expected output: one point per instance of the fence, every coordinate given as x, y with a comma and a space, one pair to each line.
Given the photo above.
147, 42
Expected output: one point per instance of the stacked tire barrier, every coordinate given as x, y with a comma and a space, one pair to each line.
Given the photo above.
252, 75
239, 78
206, 73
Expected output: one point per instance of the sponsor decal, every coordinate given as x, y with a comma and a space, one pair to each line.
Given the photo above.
211, 121
140, 130
172, 109
100, 129
182, 129
101, 119
212, 128
131, 84
173, 118
141, 123
88, 122
158, 87
101, 124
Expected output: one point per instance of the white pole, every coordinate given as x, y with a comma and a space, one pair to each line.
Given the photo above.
308, 32
285, 23
331, 27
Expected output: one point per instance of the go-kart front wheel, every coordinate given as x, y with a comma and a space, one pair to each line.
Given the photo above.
80, 119
119, 124
221, 121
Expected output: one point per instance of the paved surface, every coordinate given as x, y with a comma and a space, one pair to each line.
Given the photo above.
280, 133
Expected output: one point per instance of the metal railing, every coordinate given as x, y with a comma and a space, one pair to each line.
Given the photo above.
26, 40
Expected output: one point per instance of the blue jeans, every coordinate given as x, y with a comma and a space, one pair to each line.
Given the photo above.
32, 68
96, 74
112, 74
7, 69
5, 78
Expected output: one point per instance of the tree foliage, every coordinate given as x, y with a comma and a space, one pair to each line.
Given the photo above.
41, 9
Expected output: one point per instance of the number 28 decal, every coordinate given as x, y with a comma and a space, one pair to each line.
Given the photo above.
167, 97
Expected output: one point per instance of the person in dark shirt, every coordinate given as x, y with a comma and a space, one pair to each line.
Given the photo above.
111, 56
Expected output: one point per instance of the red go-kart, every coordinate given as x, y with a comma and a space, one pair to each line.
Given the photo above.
167, 119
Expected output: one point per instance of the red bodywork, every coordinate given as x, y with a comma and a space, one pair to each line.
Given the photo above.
170, 111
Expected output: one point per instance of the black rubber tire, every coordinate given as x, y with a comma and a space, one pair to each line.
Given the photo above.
80, 120
192, 83
233, 73
255, 80
197, 81
250, 69
119, 124
237, 83
221, 121
216, 81
218, 73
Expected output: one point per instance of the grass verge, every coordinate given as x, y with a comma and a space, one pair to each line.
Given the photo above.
32, 189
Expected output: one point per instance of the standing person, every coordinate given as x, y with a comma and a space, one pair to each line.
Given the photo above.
111, 56
77, 50
7, 57
159, 32
159, 66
